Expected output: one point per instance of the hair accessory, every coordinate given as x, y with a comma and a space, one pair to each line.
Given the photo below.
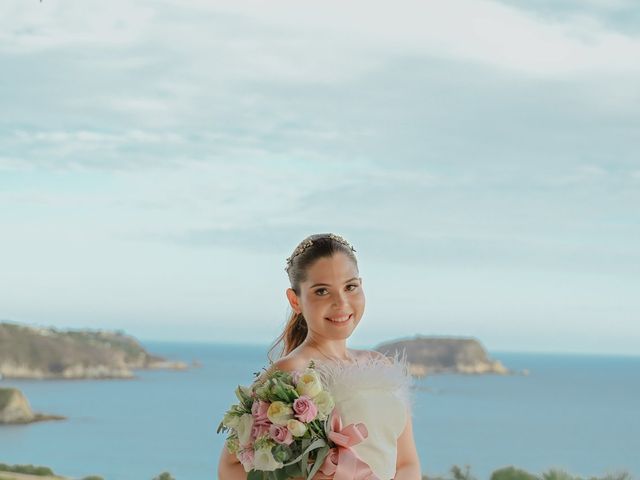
303, 246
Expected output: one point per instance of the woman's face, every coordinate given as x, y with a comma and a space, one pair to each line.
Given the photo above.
331, 299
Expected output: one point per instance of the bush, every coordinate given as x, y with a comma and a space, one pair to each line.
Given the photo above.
458, 474
164, 476
512, 473
554, 474
28, 469
615, 476
93, 477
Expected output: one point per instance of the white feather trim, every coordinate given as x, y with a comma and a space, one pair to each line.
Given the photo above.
375, 371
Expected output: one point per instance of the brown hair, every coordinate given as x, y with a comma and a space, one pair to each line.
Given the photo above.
318, 246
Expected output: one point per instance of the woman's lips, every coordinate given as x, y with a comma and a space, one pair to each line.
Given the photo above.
341, 319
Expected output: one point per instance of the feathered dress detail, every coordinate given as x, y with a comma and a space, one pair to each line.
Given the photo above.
377, 392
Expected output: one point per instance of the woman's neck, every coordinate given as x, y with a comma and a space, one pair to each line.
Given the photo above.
331, 350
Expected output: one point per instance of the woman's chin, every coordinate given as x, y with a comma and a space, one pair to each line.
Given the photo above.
340, 330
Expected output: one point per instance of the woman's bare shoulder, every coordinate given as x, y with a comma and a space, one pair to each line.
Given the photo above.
291, 362
283, 364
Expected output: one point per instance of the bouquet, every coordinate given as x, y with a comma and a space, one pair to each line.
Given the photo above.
286, 425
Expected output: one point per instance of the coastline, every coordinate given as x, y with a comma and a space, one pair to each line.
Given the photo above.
26, 476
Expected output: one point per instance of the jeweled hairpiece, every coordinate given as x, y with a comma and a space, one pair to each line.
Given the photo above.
304, 245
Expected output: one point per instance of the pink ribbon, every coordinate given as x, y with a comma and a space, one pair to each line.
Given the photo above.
341, 461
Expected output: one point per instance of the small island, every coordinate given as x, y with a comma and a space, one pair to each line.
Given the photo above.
47, 353
15, 409
429, 355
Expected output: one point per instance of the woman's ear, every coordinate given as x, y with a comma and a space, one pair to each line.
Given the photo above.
293, 300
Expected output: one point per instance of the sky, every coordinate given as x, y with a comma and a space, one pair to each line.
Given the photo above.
159, 161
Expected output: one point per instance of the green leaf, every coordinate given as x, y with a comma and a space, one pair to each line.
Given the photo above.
293, 393
305, 462
305, 455
254, 475
281, 474
221, 428
318, 443
322, 453
280, 392
293, 471
280, 454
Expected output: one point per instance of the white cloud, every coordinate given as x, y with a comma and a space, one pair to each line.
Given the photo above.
486, 32
34, 26
612, 5
13, 164
580, 174
331, 40
61, 149
82, 139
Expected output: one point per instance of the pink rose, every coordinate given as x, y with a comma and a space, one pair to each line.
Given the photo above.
305, 409
259, 429
246, 457
330, 463
281, 434
259, 412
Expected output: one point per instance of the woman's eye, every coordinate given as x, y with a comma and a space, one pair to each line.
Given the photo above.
320, 290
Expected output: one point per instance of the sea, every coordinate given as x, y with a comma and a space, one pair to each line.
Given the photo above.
577, 413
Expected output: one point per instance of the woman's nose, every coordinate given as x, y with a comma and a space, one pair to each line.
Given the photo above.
340, 299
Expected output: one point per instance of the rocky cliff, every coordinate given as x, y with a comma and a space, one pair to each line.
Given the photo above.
37, 352
432, 355
14, 408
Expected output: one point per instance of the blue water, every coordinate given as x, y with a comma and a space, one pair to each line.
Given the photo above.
579, 413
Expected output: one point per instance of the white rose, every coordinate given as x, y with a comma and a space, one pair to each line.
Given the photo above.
296, 427
279, 413
264, 460
244, 429
309, 383
324, 402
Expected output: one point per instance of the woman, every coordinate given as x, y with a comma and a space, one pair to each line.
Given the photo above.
328, 302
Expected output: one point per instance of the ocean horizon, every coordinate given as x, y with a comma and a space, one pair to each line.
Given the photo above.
573, 411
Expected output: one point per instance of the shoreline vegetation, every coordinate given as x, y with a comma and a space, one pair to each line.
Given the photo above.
430, 355
31, 472
32, 352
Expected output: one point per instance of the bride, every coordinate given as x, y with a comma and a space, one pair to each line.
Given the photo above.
328, 302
